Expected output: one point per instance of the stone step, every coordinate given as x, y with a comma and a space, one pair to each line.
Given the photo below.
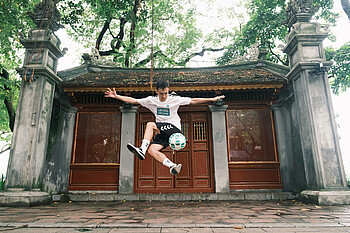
232, 196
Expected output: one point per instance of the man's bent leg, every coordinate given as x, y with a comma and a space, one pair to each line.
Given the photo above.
155, 152
151, 128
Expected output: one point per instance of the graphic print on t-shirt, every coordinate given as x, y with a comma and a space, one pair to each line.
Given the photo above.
163, 111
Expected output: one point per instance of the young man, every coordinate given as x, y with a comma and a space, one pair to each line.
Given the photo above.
164, 107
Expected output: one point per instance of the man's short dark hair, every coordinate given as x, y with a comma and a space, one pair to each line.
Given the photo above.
162, 84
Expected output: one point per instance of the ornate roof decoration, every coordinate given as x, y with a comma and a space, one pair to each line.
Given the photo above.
299, 11
252, 53
46, 15
96, 59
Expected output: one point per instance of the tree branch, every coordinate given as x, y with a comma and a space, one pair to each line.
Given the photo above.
103, 31
8, 100
173, 62
4, 150
283, 62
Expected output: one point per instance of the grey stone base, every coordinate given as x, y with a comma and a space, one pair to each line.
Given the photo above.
232, 196
326, 197
23, 198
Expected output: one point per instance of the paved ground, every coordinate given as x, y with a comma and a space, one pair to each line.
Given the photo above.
164, 217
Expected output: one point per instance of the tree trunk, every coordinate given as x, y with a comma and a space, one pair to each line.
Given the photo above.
128, 56
346, 7
9, 101
103, 31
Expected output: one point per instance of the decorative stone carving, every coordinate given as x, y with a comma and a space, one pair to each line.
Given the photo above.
46, 15
96, 59
299, 11
251, 54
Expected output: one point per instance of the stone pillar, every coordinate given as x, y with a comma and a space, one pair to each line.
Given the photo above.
39, 77
220, 154
126, 170
319, 140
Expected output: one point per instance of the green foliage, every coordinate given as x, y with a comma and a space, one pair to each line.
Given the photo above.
2, 182
266, 27
14, 22
128, 28
339, 73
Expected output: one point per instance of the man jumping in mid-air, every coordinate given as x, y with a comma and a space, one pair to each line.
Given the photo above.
164, 107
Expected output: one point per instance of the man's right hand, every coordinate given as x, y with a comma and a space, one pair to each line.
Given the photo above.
111, 93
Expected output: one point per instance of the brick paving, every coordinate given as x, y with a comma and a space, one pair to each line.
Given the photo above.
191, 216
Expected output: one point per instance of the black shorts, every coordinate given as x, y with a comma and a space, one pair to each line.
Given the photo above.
166, 130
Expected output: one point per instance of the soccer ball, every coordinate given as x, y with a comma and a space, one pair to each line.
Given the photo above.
177, 141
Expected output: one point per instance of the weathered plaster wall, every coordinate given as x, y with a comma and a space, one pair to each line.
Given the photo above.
59, 149
288, 143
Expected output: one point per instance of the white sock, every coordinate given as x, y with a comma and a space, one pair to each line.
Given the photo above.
144, 145
168, 163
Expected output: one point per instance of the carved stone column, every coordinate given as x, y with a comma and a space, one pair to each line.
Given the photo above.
318, 136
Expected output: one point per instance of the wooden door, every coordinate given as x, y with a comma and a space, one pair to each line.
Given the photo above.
95, 158
197, 172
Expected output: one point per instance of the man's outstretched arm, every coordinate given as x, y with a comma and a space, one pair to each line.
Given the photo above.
206, 100
113, 94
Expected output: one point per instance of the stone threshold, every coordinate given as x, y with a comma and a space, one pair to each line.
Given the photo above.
95, 196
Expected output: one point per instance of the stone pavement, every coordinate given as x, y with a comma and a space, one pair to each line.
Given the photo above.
163, 217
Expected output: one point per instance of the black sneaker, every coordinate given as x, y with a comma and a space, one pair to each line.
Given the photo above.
136, 151
174, 170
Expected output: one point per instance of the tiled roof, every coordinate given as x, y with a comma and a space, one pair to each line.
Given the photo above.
178, 77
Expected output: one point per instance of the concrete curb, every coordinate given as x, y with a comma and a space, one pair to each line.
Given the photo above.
172, 225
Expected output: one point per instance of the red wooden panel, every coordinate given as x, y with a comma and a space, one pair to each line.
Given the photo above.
146, 167
146, 118
200, 145
165, 183
147, 183
183, 183
199, 117
202, 182
94, 177
162, 171
201, 166
254, 175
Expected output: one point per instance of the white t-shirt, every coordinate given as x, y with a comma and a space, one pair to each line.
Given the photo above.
166, 111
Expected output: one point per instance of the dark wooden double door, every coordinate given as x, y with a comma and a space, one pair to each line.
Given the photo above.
197, 172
